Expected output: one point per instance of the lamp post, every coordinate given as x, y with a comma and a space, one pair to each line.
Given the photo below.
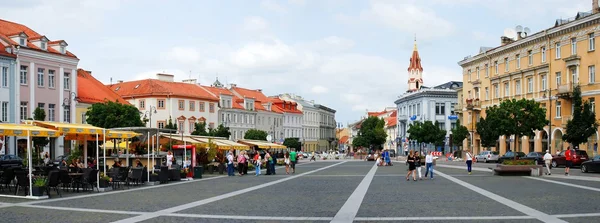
67, 105
152, 109
548, 94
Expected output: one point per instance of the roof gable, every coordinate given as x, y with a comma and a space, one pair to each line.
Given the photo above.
153, 87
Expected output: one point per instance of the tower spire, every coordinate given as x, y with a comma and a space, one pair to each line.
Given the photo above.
415, 47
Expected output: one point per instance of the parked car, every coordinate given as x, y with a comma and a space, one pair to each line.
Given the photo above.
592, 165
511, 155
10, 161
537, 156
487, 156
560, 159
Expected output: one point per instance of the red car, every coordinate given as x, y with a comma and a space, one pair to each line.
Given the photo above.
580, 157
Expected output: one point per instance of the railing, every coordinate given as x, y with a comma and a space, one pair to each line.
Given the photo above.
473, 104
566, 88
458, 107
402, 117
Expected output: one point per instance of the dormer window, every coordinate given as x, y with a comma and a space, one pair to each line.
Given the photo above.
137, 86
22, 41
43, 45
63, 50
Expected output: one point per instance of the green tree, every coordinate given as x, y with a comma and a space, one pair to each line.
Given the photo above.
39, 142
256, 134
415, 131
519, 118
170, 124
583, 124
459, 134
113, 115
293, 143
371, 134
427, 132
220, 131
200, 129
486, 128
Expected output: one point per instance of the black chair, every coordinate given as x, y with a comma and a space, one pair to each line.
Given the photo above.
163, 176
90, 179
114, 174
7, 178
53, 182
65, 179
124, 175
136, 175
22, 182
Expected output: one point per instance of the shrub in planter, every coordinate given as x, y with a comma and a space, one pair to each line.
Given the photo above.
39, 186
104, 180
154, 177
250, 166
518, 162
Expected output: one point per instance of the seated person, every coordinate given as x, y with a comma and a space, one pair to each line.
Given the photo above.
138, 163
117, 164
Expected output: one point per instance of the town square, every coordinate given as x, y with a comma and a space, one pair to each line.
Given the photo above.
299, 111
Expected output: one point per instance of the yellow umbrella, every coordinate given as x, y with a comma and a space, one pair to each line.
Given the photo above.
110, 145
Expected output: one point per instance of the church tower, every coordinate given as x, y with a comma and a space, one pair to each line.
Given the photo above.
415, 71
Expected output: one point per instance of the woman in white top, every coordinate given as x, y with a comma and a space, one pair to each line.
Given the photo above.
548, 161
469, 161
169, 159
429, 165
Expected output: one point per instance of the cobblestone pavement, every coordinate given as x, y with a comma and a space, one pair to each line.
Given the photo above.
331, 191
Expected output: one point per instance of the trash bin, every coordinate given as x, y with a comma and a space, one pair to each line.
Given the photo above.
198, 172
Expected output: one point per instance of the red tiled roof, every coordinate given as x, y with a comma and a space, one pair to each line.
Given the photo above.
90, 90
344, 139
8, 28
415, 60
153, 87
392, 120
4, 53
223, 91
285, 106
258, 97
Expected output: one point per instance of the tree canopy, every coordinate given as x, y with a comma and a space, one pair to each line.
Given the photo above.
113, 115
256, 134
459, 133
371, 134
427, 132
220, 131
293, 143
583, 123
170, 124
38, 142
487, 129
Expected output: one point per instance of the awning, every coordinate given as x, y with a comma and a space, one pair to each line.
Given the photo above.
262, 144
220, 145
21, 130
69, 128
234, 145
111, 134
116, 134
186, 139
111, 145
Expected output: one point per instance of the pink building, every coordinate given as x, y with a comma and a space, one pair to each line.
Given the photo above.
46, 76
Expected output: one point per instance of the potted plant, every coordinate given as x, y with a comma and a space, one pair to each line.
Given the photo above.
154, 177
39, 186
104, 180
184, 172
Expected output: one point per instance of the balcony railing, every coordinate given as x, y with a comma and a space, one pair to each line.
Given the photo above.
565, 90
473, 104
458, 107
402, 117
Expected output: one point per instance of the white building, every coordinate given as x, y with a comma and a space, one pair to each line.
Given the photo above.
310, 121
269, 118
161, 99
292, 118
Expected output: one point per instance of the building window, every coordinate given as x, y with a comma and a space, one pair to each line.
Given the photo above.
440, 108
211, 107
22, 41
518, 87
518, 61
592, 74
573, 46
558, 79
181, 104
160, 103
222, 118
529, 85
477, 70
62, 50
4, 111
192, 126
487, 93
591, 42
23, 110
161, 124
201, 106
192, 105
558, 109
51, 112
211, 125
574, 75
51, 79
252, 120
42, 106
40, 77
181, 127
67, 81
506, 90
506, 64
543, 54
43, 45
67, 115
83, 118
469, 73
235, 118
487, 70
496, 66
142, 104
23, 75
4, 76
442, 125
593, 104
557, 50
530, 58
544, 81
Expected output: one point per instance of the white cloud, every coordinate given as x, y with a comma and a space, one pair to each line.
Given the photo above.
255, 23
272, 5
318, 89
297, 2
183, 55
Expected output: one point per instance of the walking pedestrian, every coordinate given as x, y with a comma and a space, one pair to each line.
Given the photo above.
241, 163
286, 160
230, 164
569, 154
411, 165
469, 161
257, 163
418, 165
268, 161
548, 161
247, 161
429, 165
313, 157
293, 159
273, 164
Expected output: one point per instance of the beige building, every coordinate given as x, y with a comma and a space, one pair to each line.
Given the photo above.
543, 66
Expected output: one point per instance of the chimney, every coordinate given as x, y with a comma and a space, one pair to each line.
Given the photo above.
505, 40
233, 85
595, 8
119, 81
189, 81
165, 77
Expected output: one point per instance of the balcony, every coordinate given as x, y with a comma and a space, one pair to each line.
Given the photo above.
565, 90
476, 83
473, 104
458, 108
402, 117
565, 119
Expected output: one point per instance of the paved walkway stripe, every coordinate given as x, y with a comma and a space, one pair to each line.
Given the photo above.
260, 218
510, 203
577, 215
348, 212
566, 184
442, 218
584, 178
217, 198
81, 209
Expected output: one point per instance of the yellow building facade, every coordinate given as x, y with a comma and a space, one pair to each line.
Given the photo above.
543, 66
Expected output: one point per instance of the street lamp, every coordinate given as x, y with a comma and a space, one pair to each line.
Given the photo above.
548, 94
152, 109
67, 101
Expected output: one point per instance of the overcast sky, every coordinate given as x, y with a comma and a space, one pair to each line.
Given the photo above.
348, 55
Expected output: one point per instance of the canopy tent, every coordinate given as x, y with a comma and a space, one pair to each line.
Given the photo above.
234, 145
111, 134
261, 144
26, 131
219, 142
186, 139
